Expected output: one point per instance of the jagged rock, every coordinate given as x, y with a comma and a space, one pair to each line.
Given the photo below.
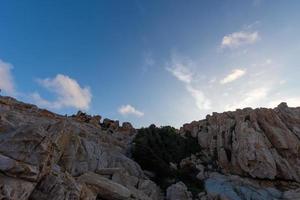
178, 191
127, 126
48, 156
201, 174
258, 143
44, 156
83, 117
111, 124
189, 128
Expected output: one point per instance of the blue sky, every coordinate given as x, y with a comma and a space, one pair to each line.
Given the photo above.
163, 61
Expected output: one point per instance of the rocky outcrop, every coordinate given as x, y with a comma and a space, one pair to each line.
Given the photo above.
257, 143
48, 156
241, 155
248, 153
83, 117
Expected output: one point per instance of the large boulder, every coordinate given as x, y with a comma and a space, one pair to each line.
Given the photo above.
105, 188
178, 191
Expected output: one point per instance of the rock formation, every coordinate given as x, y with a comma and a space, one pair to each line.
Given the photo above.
48, 156
256, 150
248, 154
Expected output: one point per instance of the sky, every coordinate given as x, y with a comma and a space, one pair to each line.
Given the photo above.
166, 62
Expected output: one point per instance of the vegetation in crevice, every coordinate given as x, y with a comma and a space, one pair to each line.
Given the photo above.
154, 148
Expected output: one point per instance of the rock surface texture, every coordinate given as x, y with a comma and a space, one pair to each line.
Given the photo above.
248, 154
48, 156
256, 150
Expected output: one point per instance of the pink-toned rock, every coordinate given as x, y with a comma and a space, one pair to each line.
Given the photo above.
259, 143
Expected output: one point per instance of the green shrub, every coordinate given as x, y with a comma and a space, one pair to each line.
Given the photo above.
154, 148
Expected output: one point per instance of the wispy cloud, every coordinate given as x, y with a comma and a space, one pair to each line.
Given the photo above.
148, 61
201, 101
130, 110
180, 69
67, 91
6, 79
240, 38
251, 98
234, 75
292, 101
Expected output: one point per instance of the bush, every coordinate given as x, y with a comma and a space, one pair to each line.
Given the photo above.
154, 148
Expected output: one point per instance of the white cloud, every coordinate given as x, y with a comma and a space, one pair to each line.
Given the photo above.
252, 98
181, 70
291, 101
201, 101
237, 39
130, 110
268, 62
68, 93
282, 82
234, 75
6, 78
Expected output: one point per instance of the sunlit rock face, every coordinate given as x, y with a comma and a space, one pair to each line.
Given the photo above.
257, 143
48, 156
259, 146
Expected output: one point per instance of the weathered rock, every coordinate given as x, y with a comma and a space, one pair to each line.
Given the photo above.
58, 186
178, 191
44, 156
105, 188
14, 188
126, 126
48, 156
223, 187
150, 189
83, 117
17, 169
291, 194
258, 143
111, 124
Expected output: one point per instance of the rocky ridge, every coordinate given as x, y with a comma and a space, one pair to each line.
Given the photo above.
48, 156
248, 154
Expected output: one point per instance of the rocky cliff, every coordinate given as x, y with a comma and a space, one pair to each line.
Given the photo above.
48, 156
249, 154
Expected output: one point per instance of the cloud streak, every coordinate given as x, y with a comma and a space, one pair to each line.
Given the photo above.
181, 71
67, 91
251, 98
128, 109
234, 75
238, 39
202, 102
6, 79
